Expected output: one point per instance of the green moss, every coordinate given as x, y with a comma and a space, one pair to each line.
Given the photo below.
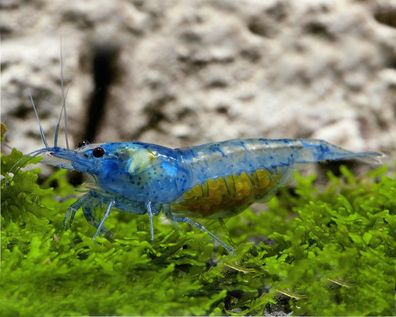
327, 252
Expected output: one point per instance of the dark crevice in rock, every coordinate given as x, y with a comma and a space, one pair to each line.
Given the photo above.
385, 13
155, 116
259, 28
391, 61
104, 71
21, 112
319, 29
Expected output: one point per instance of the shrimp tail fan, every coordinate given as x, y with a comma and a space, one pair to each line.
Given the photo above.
318, 151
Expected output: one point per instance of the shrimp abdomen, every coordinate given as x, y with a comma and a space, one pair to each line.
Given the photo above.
227, 177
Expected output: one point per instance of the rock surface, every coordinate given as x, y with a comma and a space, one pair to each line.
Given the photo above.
190, 72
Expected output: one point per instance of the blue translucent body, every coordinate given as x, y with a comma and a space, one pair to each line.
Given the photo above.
147, 178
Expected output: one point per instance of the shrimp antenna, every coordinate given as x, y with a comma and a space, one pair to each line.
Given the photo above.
27, 158
38, 120
63, 110
63, 95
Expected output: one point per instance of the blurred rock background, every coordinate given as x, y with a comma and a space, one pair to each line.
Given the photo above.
184, 72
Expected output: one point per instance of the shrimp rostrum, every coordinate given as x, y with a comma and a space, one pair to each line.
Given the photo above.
214, 180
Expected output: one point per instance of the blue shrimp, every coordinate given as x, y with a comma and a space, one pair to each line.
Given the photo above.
214, 180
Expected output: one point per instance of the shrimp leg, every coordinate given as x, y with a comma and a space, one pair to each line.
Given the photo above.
88, 203
71, 211
106, 215
202, 228
150, 214
88, 214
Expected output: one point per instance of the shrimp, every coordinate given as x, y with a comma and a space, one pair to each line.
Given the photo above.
214, 180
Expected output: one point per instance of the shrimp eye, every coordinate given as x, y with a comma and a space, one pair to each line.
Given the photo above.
82, 143
98, 151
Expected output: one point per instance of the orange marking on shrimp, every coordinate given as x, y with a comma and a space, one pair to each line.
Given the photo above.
218, 200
